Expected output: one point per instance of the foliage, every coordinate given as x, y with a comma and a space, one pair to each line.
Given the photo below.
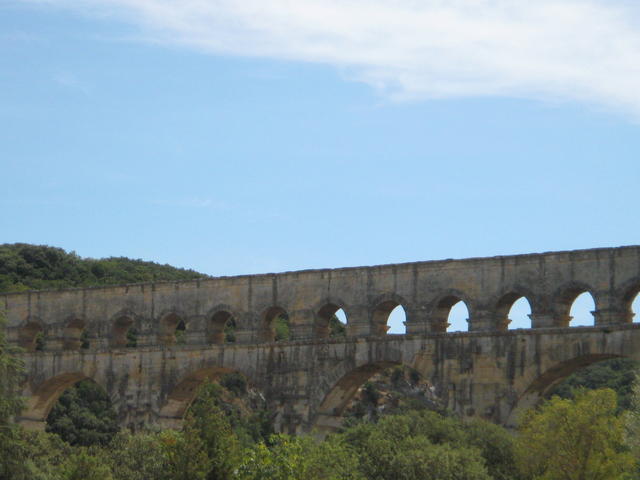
420, 445
81, 465
136, 457
11, 404
185, 456
617, 374
206, 422
574, 439
83, 415
282, 328
337, 329
230, 331
24, 266
235, 382
296, 458
132, 337
496, 445
11, 372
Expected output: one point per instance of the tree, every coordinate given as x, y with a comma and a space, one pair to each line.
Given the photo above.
184, 456
83, 415
208, 423
12, 450
579, 439
416, 446
81, 465
293, 458
136, 457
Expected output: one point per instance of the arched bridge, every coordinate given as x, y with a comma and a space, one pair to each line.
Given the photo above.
489, 371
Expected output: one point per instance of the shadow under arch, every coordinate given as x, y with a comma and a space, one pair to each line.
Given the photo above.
73, 332
123, 325
540, 387
629, 297
170, 322
44, 396
28, 334
219, 319
182, 395
328, 416
324, 314
268, 318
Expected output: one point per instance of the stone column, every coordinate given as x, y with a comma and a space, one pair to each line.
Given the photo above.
417, 322
359, 323
482, 321
301, 325
612, 316
549, 320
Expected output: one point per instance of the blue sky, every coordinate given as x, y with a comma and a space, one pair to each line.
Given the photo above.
275, 137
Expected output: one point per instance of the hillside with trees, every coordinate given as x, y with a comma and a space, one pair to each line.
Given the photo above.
39, 267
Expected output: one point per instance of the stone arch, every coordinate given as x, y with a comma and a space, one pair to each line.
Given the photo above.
540, 386
441, 308
506, 301
565, 296
323, 314
328, 415
217, 319
381, 308
73, 332
29, 334
123, 325
630, 291
267, 323
45, 395
170, 322
183, 393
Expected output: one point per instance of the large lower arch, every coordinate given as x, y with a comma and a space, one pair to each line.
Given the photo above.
328, 416
184, 393
540, 387
42, 399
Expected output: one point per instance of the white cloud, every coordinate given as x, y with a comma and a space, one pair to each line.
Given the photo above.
581, 50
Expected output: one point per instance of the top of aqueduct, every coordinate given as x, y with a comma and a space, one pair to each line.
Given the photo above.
426, 290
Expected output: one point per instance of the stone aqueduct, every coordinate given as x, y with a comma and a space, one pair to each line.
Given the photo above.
488, 371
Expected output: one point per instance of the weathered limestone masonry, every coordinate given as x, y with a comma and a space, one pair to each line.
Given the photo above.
489, 371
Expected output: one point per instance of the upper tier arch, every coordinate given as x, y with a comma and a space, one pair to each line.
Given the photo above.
426, 290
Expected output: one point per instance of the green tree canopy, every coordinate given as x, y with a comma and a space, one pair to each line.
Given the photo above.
24, 266
574, 439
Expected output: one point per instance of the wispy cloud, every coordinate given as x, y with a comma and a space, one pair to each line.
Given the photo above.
579, 50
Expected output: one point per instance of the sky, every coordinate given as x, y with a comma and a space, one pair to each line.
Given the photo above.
266, 136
